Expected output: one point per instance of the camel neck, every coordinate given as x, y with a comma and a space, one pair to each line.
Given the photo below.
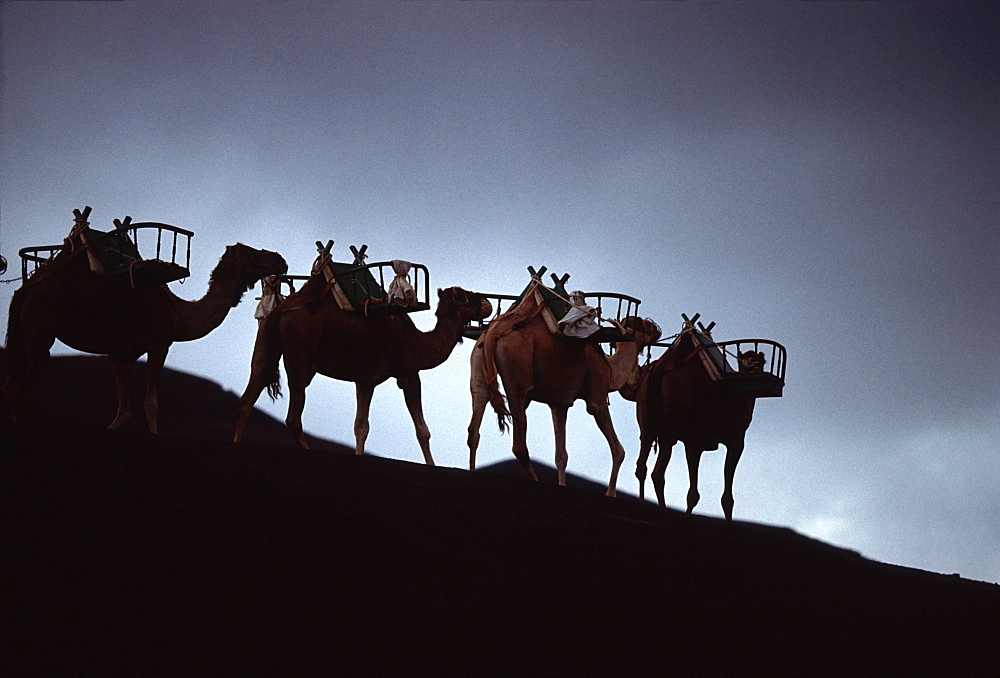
440, 341
624, 364
198, 318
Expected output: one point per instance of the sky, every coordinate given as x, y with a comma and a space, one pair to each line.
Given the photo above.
821, 174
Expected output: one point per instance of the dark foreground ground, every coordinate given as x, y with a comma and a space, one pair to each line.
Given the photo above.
124, 553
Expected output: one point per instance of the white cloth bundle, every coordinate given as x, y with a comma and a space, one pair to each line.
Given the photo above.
269, 298
401, 292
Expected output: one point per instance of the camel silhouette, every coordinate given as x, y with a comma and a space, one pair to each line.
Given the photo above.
110, 316
537, 365
678, 401
316, 336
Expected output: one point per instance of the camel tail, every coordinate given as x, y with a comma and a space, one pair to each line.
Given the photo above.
499, 404
17, 356
490, 374
267, 354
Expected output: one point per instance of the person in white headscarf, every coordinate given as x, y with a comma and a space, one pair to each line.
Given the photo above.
580, 320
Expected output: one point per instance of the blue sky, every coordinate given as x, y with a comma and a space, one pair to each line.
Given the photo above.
820, 174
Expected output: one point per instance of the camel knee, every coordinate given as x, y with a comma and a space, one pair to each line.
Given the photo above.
692, 499
727, 505
659, 484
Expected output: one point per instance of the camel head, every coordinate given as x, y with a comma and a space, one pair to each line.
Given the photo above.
251, 264
645, 330
751, 361
470, 305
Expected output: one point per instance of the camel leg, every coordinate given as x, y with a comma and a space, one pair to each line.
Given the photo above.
154, 367
411, 395
363, 397
559, 427
297, 384
645, 445
519, 424
733, 454
27, 352
603, 417
255, 385
660, 470
123, 375
249, 398
693, 455
479, 402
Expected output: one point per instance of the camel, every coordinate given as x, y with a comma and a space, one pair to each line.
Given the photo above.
108, 316
677, 401
536, 365
316, 336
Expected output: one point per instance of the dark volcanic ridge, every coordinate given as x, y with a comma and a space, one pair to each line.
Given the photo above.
125, 552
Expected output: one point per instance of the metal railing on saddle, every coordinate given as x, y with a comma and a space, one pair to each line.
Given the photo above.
116, 252
364, 287
753, 368
559, 302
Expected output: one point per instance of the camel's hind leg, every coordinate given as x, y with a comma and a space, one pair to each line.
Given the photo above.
411, 394
30, 336
298, 381
249, 398
480, 399
255, 385
123, 376
603, 417
154, 367
660, 469
519, 424
645, 445
733, 454
693, 454
251, 393
363, 396
559, 427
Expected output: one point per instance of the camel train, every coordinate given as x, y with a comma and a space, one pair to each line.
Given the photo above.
97, 294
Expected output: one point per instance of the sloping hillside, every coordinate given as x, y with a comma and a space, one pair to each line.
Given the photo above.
78, 392
124, 552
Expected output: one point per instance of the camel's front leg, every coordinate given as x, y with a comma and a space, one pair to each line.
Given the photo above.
154, 367
411, 394
559, 427
603, 417
363, 397
693, 455
733, 454
123, 374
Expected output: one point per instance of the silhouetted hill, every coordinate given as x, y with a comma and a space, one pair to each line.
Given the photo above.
129, 553
78, 392
183, 553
